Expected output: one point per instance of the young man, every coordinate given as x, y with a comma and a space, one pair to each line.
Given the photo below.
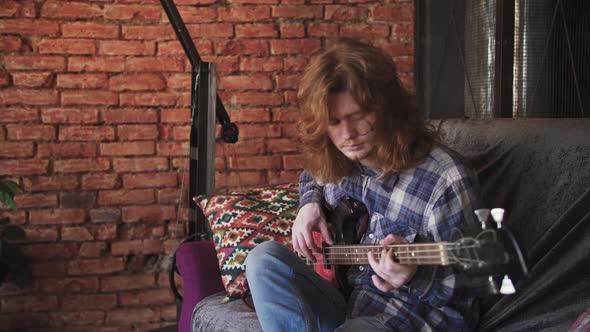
363, 138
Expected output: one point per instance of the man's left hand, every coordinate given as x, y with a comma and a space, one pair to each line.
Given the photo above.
389, 274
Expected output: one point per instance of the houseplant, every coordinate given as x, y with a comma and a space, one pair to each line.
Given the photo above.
13, 264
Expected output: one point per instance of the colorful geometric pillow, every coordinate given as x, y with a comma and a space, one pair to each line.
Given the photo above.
242, 220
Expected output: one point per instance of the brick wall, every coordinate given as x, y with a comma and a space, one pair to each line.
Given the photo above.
94, 115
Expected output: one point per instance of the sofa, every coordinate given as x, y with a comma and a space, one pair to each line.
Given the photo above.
538, 170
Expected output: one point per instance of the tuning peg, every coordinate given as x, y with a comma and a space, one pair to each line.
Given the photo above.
507, 287
498, 216
492, 285
482, 216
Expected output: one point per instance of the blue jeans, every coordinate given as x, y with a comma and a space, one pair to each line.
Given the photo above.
289, 296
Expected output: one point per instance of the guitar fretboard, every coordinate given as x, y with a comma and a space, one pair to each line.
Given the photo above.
416, 254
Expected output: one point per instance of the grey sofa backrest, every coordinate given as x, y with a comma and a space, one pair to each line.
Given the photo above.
539, 171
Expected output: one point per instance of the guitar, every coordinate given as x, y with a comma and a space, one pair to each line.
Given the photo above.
492, 252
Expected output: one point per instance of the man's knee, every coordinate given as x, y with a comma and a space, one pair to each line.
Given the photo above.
263, 256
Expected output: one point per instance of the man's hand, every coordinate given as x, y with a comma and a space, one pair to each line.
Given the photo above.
309, 218
389, 274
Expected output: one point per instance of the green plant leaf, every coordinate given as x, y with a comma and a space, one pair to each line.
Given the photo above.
6, 199
13, 232
10, 186
4, 221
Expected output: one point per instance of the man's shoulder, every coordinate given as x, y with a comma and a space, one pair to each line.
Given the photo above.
447, 163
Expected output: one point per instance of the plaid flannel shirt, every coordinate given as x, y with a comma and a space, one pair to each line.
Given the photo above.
427, 203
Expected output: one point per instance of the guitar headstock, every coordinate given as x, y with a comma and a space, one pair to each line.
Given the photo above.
493, 252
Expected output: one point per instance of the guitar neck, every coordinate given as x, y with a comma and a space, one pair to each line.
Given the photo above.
415, 254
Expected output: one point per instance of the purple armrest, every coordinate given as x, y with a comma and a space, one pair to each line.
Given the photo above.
197, 264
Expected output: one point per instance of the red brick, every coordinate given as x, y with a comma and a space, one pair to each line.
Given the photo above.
284, 114
28, 96
82, 81
204, 47
33, 79
404, 64
403, 31
287, 81
99, 181
16, 149
159, 64
95, 232
126, 148
254, 162
210, 30
242, 147
59, 9
265, 64
89, 301
136, 247
9, 9
403, 13
92, 249
249, 115
69, 285
130, 316
295, 46
148, 32
280, 145
179, 81
87, 97
29, 27
89, 30
399, 49
150, 213
102, 215
279, 177
23, 167
49, 269
46, 251
66, 46
305, 11
81, 165
140, 164
255, 98
150, 99
255, 2
172, 149
137, 82
66, 150
147, 297
134, 12
69, 115
36, 200
96, 266
5, 79
345, 13
365, 30
56, 216
292, 30
42, 234
15, 217
78, 318
86, 133
243, 14
294, 161
259, 130
245, 82
137, 132
29, 303
242, 47
256, 30
141, 231
170, 196
10, 43
322, 30
149, 180
225, 64
180, 133
197, 14
96, 64
240, 179
125, 197
127, 282
175, 115
77, 199
50, 183
130, 116
122, 47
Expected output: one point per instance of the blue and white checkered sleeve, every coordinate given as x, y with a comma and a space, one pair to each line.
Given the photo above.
452, 211
309, 190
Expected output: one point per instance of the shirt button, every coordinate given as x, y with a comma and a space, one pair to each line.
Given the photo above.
371, 235
361, 268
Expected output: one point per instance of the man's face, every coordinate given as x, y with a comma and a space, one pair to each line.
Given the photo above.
351, 129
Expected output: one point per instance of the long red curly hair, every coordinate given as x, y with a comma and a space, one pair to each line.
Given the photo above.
403, 137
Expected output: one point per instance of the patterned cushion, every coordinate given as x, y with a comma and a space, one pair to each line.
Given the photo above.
242, 220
